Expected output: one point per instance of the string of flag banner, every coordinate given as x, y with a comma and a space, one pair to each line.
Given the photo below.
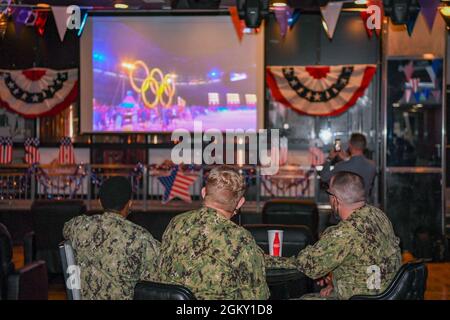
74, 17
372, 16
66, 17
66, 153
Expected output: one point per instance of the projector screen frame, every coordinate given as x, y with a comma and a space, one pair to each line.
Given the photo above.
261, 116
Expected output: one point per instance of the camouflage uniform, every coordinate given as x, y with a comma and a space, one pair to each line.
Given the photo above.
352, 251
213, 256
113, 255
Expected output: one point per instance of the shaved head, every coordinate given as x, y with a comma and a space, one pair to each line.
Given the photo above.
348, 187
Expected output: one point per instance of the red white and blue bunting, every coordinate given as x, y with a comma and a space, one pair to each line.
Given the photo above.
319, 90
38, 92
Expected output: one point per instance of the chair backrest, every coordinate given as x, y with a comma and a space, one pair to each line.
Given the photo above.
292, 212
6, 264
147, 290
409, 283
29, 282
48, 219
295, 238
70, 270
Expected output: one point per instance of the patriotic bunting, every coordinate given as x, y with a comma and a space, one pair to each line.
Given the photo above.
177, 185
66, 152
32, 155
319, 90
6, 150
38, 92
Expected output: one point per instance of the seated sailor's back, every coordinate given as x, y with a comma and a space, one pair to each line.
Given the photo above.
113, 253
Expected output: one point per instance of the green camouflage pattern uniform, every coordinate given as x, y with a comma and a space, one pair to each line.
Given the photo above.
352, 250
113, 255
212, 256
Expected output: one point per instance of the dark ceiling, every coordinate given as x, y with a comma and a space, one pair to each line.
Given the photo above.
155, 4
133, 4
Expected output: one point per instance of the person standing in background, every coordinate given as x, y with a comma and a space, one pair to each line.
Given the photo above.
352, 161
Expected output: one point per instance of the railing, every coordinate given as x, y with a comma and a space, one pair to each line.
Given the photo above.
83, 181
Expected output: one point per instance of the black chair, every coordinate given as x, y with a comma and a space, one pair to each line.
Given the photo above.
48, 219
295, 238
409, 283
147, 290
71, 276
292, 212
6, 264
27, 283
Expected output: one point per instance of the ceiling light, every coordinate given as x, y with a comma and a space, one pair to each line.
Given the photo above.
120, 5
445, 11
279, 4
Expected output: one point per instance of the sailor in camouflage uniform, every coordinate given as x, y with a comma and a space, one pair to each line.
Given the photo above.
211, 255
113, 253
361, 252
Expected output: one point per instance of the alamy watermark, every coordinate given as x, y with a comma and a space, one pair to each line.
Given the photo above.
191, 151
374, 17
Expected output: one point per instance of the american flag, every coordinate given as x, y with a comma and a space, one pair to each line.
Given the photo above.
5, 150
66, 152
32, 151
414, 83
177, 185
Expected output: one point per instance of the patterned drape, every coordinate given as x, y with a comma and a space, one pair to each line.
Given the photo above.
319, 90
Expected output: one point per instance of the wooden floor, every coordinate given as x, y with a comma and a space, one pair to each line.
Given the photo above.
438, 285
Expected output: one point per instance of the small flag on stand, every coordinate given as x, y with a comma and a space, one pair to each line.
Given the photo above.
6, 150
32, 151
177, 185
66, 152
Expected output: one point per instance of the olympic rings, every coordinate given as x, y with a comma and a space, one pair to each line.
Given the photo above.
160, 85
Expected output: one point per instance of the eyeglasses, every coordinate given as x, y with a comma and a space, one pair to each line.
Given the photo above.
330, 194
333, 195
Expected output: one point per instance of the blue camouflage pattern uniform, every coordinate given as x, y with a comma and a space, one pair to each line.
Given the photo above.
212, 256
113, 255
